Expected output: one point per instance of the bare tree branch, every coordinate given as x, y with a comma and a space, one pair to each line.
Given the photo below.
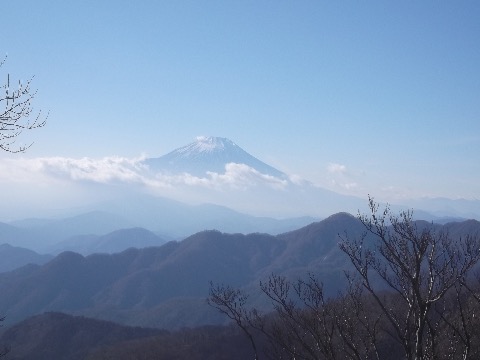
420, 265
16, 113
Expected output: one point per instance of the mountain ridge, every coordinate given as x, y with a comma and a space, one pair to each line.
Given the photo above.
166, 286
170, 218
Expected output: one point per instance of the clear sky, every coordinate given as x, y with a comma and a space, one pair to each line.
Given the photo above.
379, 97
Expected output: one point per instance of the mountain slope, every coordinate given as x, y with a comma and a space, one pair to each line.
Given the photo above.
40, 234
12, 257
113, 242
60, 336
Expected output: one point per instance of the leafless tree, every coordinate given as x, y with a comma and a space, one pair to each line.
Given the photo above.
421, 267
358, 322
409, 295
458, 316
304, 324
232, 303
16, 113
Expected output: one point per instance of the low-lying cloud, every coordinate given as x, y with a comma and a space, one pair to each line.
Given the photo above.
340, 178
114, 170
104, 170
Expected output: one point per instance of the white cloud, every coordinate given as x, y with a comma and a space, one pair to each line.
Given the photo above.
241, 176
297, 180
104, 170
342, 180
334, 168
235, 177
350, 185
109, 170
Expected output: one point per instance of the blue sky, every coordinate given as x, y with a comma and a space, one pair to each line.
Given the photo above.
359, 97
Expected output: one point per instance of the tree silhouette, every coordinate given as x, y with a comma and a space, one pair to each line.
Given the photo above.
422, 267
16, 113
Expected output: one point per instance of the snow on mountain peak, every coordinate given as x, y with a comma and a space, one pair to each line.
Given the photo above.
206, 144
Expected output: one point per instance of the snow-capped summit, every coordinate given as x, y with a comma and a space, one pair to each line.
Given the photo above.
205, 144
208, 154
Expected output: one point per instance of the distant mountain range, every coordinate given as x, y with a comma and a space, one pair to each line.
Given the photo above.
114, 228
166, 286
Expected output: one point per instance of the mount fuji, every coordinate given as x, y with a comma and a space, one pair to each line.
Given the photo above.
215, 170
208, 155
